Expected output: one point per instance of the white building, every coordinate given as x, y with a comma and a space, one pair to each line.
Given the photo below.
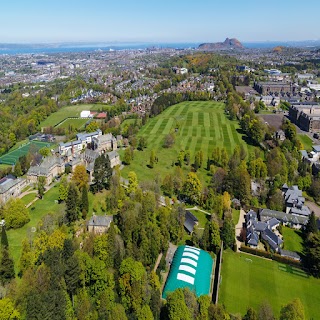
85, 114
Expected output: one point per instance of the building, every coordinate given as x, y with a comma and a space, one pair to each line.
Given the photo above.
190, 221
106, 142
294, 201
306, 116
87, 137
114, 158
275, 88
11, 187
99, 224
50, 168
294, 221
85, 114
265, 229
72, 148
190, 268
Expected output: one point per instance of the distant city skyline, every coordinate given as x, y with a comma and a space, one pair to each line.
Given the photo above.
36, 21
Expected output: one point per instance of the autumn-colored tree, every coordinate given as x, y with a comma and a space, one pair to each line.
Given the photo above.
192, 188
80, 176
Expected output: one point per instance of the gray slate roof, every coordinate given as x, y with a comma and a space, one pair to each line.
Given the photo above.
190, 221
100, 221
8, 182
266, 214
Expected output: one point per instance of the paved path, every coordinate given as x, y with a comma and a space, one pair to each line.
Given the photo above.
196, 208
313, 207
239, 228
157, 262
26, 193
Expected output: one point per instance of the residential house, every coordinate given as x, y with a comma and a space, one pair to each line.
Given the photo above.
50, 168
99, 224
255, 228
190, 221
294, 201
11, 187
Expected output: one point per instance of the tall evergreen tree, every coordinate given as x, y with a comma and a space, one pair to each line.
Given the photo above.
4, 238
84, 202
6, 268
102, 172
312, 224
72, 204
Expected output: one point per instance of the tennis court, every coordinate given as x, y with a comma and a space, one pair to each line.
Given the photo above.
12, 156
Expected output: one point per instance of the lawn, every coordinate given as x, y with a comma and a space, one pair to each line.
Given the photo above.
38, 210
235, 216
247, 281
69, 112
292, 239
28, 198
75, 123
306, 141
202, 126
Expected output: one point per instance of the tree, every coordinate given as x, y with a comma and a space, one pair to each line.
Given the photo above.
63, 189
192, 188
142, 144
17, 169
4, 238
312, 253
250, 315
152, 159
72, 204
8, 311
311, 226
80, 176
127, 156
132, 182
92, 126
211, 237
15, 213
41, 186
169, 140
145, 313
176, 306
44, 151
167, 185
102, 172
293, 311
228, 233
6, 268
84, 207
265, 312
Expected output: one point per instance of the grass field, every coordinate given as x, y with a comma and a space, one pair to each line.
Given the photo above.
292, 239
28, 198
202, 126
12, 156
75, 123
70, 111
306, 141
38, 210
247, 281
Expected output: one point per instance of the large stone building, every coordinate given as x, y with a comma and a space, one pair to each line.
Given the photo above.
306, 116
275, 88
11, 187
106, 142
50, 168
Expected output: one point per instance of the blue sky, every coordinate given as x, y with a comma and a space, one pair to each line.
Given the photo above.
158, 21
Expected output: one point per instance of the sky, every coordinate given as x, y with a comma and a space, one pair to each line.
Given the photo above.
38, 21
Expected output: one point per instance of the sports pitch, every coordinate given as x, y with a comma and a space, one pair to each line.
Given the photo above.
247, 281
202, 126
74, 123
12, 157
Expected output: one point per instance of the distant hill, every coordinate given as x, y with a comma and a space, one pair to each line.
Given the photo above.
227, 44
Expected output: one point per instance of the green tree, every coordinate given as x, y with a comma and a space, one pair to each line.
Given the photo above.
63, 189
192, 188
211, 237
145, 313
41, 186
132, 182
127, 156
228, 233
167, 185
311, 226
45, 152
6, 268
152, 159
72, 204
84, 207
176, 306
8, 310
312, 253
250, 315
15, 213
292, 311
17, 169
142, 144
102, 172
92, 126
4, 238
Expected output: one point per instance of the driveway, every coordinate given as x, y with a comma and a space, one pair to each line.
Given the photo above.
239, 227
313, 207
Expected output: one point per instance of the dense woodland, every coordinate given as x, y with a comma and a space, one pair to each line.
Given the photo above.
65, 272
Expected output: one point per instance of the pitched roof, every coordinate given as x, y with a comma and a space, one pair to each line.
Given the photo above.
8, 182
282, 216
100, 221
190, 221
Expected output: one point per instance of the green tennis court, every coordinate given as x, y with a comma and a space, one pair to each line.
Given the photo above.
12, 156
